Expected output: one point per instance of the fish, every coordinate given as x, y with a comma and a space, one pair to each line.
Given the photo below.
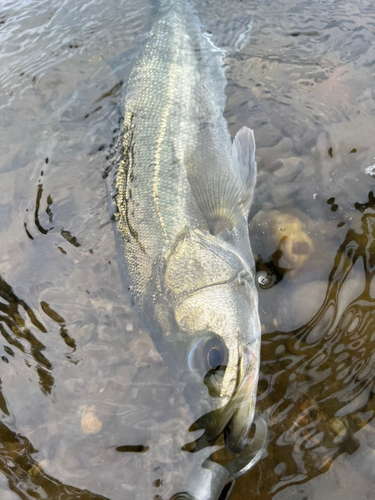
183, 192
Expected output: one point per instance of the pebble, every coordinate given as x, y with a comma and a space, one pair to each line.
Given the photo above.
337, 426
35, 470
290, 169
90, 424
370, 170
288, 234
283, 194
306, 404
268, 136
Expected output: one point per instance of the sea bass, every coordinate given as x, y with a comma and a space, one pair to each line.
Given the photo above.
183, 194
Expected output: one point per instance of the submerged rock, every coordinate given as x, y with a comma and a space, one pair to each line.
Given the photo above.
338, 426
90, 424
290, 168
287, 233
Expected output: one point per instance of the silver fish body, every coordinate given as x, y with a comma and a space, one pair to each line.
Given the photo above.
183, 195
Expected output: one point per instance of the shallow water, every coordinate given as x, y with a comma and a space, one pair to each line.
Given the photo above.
80, 379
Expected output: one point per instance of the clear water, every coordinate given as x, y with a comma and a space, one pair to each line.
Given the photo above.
80, 379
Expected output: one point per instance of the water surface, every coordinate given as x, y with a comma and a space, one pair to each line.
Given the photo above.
80, 380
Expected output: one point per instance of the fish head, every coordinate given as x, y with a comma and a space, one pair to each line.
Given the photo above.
211, 334
222, 323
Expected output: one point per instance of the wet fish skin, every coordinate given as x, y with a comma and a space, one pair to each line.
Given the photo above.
183, 197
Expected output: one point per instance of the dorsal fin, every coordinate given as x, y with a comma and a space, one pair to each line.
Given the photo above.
224, 188
243, 154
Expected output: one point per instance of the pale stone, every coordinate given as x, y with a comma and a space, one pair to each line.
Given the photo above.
90, 424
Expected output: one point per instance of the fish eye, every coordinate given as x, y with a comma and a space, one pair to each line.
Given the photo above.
215, 353
207, 355
214, 357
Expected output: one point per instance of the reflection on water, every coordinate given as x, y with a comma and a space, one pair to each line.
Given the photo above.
82, 387
26, 476
17, 321
317, 386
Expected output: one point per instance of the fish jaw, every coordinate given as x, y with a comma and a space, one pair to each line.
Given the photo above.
243, 401
236, 417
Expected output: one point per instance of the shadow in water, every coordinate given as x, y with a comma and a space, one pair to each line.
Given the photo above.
26, 476
18, 327
317, 383
316, 390
17, 322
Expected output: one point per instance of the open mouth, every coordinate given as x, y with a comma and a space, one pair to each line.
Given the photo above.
242, 405
236, 417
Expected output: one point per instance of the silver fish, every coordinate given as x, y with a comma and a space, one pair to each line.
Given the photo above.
184, 192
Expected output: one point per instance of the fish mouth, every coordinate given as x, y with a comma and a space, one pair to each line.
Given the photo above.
235, 418
241, 407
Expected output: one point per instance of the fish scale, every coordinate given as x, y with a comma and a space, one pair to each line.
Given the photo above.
166, 115
183, 195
